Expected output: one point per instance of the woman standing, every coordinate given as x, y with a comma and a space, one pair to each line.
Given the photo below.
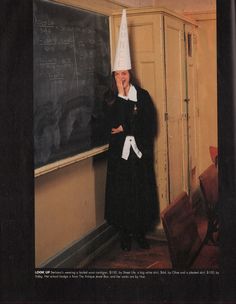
131, 197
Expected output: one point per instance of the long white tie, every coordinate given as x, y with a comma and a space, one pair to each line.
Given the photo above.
130, 142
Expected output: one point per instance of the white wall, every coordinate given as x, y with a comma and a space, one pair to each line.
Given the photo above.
207, 90
187, 5
176, 5
69, 203
134, 3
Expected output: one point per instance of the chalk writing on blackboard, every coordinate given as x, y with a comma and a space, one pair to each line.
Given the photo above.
71, 75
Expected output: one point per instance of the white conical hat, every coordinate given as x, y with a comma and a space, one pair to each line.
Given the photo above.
122, 57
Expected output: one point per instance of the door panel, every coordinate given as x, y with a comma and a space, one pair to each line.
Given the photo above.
176, 107
192, 105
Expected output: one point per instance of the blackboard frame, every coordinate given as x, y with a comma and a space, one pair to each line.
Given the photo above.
93, 149
69, 160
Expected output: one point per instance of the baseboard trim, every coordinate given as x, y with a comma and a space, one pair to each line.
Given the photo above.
158, 234
82, 252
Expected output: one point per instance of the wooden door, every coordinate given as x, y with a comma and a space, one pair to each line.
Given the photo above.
176, 109
193, 115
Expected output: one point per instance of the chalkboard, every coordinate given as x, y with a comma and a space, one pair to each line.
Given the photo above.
71, 75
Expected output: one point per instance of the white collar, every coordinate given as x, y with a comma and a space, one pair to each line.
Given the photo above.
132, 94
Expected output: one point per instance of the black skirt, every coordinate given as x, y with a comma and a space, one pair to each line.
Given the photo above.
131, 196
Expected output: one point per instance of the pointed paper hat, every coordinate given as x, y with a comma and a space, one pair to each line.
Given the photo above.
122, 57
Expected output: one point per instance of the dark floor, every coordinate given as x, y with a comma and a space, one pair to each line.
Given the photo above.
157, 257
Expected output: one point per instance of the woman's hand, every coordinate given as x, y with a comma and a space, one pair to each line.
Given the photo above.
119, 84
117, 130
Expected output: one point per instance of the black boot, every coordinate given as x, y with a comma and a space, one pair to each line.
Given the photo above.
142, 241
125, 241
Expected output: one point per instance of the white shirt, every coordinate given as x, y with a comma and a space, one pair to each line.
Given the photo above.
130, 140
